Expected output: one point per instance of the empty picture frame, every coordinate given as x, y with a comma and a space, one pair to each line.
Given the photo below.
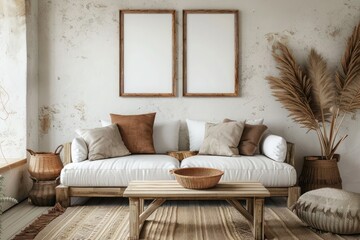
147, 53
210, 53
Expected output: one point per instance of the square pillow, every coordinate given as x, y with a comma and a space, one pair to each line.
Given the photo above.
222, 138
274, 147
136, 131
104, 142
79, 150
196, 133
166, 135
250, 138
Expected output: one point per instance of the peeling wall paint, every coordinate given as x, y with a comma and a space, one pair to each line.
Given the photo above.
79, 67
282, 37
80, 108
46, 117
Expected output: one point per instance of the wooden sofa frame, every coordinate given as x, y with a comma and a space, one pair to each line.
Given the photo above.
64, 193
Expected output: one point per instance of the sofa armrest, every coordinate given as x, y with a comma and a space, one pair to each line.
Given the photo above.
290, 154
66, 159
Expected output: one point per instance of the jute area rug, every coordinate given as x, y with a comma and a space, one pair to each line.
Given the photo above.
178, 220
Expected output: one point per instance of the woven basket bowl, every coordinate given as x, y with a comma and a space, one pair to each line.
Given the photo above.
197, 178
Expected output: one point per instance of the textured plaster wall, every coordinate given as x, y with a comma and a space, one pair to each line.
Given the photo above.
32, 110
79, 67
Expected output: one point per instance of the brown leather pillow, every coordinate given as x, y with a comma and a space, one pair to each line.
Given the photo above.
250, 138
136, 131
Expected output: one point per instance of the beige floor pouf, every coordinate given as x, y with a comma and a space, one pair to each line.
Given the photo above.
330, 210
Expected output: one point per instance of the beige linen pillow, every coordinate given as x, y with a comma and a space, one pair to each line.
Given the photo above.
104, 142
250, 138
222, 138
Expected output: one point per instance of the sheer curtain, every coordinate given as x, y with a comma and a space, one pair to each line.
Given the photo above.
13, 67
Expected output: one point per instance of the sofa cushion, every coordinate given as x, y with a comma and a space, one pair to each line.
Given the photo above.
247, 168
118, 172
165, 135
250, 138
197, 131
136, 131
79, 150
274, 147
222, 138
104, 142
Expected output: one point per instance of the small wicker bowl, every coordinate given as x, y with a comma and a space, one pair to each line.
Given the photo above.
197, 178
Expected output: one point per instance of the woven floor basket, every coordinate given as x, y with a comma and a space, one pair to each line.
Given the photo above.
45, 166
43, 192
318, 174
197, 178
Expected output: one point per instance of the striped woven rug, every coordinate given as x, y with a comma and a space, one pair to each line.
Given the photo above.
178, 220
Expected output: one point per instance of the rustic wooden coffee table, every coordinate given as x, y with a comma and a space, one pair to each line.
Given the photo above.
161, 191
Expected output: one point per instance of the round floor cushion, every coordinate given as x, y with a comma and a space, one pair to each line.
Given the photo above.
330, 210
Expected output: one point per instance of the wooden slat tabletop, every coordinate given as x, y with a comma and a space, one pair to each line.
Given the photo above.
171, 189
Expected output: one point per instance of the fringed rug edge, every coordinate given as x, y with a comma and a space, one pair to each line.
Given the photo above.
40, 223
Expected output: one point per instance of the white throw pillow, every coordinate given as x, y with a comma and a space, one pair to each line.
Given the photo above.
165, 135
274, 147
196, 133
79, 150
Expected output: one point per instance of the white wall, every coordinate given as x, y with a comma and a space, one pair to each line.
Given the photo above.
32, 85
79, 67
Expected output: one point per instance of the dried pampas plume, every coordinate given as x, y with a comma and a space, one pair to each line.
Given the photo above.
317, 99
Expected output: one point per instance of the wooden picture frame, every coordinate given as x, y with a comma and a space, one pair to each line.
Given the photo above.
148, 53
211, 53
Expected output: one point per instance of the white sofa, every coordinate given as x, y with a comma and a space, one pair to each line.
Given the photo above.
109, 178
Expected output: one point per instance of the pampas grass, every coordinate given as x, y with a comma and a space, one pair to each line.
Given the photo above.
317, 99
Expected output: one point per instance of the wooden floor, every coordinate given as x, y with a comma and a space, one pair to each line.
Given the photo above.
18, 217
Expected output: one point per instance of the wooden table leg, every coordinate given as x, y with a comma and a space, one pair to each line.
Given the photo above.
237, 205
141, 205
250, 205
258, 218
134, 218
